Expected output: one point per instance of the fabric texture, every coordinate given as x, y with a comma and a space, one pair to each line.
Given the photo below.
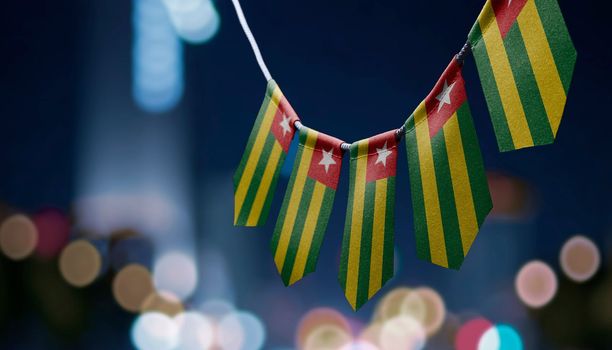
307, 205
525, 59
256, 177
450, 194
366, 263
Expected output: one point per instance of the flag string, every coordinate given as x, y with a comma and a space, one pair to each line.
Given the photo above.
399, 133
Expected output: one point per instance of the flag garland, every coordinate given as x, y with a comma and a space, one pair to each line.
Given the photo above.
307, 205
525, 59
449, 188
256, 177
366, 263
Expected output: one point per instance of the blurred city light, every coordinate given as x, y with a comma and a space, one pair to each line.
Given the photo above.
195, 21
435, 311
176, 272
360, 345
241, 330
500, 337
580, 258
53, 231
469, 335
327, 337
536, 284
402, 332
164, 302
80, 263
18, 237
319, 317
196, 331
131, 286
157, 58
155, 331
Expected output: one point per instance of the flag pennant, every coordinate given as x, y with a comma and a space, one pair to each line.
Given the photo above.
450, 195
366, 263
307, 205
256, 177
525, 59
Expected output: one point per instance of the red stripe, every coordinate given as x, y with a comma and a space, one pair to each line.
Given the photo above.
283, 111
376, 168
506, 12
317, 170
437, 118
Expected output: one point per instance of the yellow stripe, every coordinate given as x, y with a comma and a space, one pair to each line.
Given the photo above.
264, 185
543, 64
249, 169
378, 237
508, 92
352, 273
312, 219
294, 200
464, 202
437, 245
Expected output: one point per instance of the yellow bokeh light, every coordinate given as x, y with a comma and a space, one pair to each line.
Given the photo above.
163, 302
131, 287
80, 263
536, 284
18, 237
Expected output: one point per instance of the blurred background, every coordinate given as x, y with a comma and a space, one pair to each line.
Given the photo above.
123, 121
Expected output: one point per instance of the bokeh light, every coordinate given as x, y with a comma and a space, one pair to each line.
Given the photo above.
80, 263
241, 330
164, 302
327, 337
469, 335
401, 333
195, 331
158, 80
580, 258
131, 286
18, 237
435, 311
53, 232
536, 284
319, 317
176, 272
155, 331
391, 305
500, 337
360, 345
216, 308
195, 21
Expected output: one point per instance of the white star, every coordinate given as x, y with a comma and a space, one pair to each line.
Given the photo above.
285, 125
383, 153
444, 96
327, 159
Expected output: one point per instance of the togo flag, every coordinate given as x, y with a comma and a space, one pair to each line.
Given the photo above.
450, 195
366, 263
267, 147
307, 205
525, 58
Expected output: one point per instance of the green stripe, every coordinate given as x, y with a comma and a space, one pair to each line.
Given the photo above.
416, 188
388, 253
537, 119
297, 229
489, 87
559, 39
473, 161
346, 238
270, 196
256, 180
450, 221
253, 136
283, 212
326, 208
365, 254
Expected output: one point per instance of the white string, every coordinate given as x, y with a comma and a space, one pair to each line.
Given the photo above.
249, 34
